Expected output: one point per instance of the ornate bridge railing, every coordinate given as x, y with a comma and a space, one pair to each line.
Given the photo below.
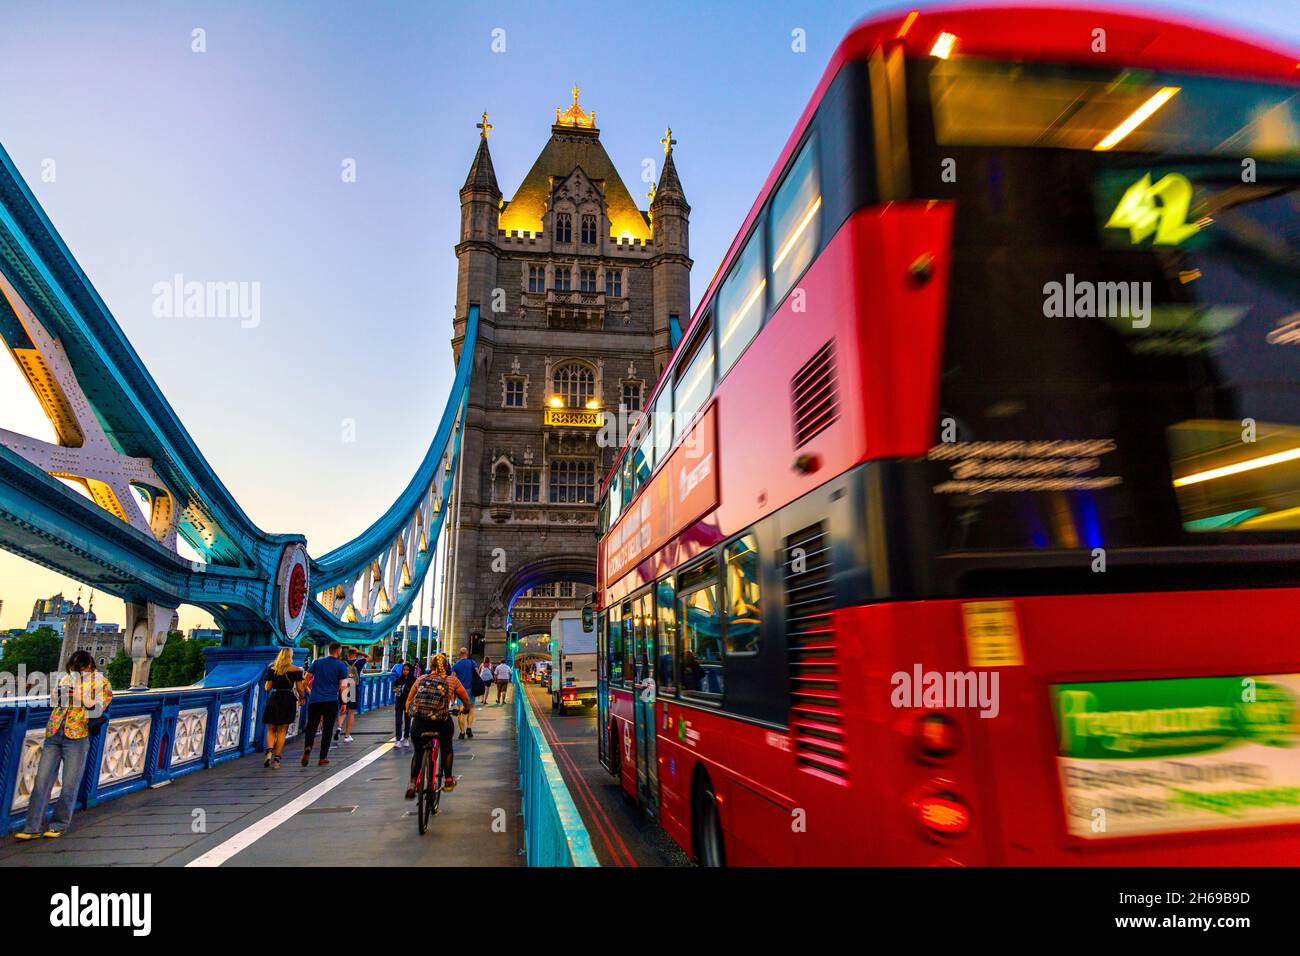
157, 735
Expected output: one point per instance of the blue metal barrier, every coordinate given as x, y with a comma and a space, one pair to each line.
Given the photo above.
156, 735
554, 834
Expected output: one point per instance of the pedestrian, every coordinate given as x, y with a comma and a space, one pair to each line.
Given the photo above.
485, 675
502, 675
352, 697
401, 688
283, 679
81, 702
464, 671
328, 675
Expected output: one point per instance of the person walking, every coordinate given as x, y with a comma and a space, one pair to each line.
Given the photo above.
502, 675
283, 680
464, 671
81, 701
430, 707
351, 699
402, 685
485, 675
328, 675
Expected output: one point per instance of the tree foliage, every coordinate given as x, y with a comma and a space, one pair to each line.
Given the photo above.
118, 671
180, 663
38, 650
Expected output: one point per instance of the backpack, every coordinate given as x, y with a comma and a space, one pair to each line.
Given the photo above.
479, 688
431, 698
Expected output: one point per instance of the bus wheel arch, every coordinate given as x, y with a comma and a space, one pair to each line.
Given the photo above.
707, 843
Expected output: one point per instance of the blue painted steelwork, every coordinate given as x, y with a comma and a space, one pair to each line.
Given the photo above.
554, 834
159, 735
242, 583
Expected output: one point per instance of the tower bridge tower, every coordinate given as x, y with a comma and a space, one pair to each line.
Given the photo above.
578, 292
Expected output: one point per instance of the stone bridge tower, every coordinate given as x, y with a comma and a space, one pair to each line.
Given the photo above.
579, 291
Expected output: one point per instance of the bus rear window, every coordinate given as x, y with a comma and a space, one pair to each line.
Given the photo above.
993, 103
1122, 353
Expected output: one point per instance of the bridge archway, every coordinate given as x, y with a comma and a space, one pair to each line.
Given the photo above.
551, 569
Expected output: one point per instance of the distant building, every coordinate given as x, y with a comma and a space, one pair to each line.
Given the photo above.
78, 628
205, 634
52, 612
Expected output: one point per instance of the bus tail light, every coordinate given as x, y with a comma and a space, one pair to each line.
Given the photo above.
941, 813
935, 736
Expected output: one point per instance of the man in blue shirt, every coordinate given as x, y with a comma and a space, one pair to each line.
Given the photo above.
327, 675
464, 670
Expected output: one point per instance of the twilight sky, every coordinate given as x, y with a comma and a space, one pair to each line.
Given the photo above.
226, 165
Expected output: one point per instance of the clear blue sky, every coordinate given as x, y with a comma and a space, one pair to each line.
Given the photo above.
225, 165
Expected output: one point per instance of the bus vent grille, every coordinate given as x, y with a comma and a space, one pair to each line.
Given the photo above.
815, 396
816, 684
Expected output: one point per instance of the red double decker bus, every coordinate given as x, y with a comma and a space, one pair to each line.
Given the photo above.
964, 527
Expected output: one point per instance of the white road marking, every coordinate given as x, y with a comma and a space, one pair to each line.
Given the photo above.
254, 832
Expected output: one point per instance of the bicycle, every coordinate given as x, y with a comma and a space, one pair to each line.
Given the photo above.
428, 785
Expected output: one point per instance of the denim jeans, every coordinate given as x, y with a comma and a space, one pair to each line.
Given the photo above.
72, 753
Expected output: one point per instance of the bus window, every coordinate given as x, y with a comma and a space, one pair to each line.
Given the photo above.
628, 659
663, 424
645, 455
694, 385
626, 475
743, 614
615, 647
666, 661
614, 499
644, 615
795, 214
701, 624
741, 304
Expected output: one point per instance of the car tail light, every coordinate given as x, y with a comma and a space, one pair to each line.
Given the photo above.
935, 736
941, 812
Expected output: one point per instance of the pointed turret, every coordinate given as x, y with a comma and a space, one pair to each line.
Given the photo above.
670, 187
480, 197
482, 177
670, 222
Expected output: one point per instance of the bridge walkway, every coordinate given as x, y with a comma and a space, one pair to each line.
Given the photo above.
352, 812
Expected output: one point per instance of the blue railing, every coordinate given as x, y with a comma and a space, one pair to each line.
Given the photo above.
156, 735
554, 834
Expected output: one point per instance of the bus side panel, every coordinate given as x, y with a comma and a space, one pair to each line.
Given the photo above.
623, 738
674, 777
757, 818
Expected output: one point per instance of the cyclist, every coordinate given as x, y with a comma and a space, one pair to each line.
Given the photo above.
429, 704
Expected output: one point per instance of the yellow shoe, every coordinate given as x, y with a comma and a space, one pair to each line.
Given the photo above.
54, 834
449, 784
20, 835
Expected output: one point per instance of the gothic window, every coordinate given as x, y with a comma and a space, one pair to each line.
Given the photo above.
536, 278
566, 589
563, 280
514, 393
632, 396
589, 230
587, 280
574, 383
528, 484
614, 282
573, 482
563, 227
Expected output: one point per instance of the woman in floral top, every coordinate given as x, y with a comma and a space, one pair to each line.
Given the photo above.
82, 694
